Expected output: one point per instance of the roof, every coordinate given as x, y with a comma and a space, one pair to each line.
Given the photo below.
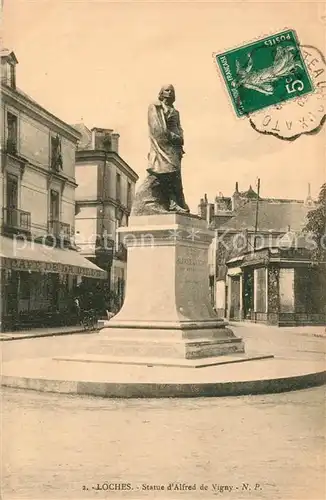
278, 217
8, 53
86, 136
21, 97
250, 193
297, 239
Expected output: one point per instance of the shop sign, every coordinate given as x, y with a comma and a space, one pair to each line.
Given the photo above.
48, 267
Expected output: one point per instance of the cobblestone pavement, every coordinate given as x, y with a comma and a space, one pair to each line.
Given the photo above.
61, 447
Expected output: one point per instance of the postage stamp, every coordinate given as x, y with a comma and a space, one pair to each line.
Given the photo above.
303, 116
264, 73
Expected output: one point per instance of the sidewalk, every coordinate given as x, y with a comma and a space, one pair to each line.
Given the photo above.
306, 343
313, 330
310, 331
41, 332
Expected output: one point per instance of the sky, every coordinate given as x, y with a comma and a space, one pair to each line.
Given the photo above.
103, 63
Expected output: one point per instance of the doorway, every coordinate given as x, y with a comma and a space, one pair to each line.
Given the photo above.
248, 293
235, 298
11, 295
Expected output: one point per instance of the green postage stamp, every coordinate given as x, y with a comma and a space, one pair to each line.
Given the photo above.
264, 73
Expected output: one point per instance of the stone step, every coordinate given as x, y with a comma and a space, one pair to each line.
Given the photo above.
182, 363
167, 348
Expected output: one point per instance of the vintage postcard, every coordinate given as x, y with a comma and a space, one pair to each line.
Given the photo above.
163, 250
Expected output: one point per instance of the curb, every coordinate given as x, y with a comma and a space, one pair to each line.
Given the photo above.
285, 329
169, 390
41, 335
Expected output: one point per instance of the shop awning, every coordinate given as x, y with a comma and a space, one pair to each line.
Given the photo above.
23, 255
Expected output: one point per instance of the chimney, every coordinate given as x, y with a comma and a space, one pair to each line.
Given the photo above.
115, 142
94, 131
102, 138
236, 198
202, 208
209, 212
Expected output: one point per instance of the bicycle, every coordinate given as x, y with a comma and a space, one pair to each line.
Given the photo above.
89, 320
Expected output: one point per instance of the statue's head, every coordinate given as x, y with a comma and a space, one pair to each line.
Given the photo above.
167, 92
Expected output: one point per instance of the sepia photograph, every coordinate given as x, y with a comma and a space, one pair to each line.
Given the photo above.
163, 250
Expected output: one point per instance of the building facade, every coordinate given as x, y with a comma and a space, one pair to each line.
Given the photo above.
278, 285
106, 187
247, 226
39, 263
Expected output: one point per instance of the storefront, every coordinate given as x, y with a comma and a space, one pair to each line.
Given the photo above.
276, 286
38, 283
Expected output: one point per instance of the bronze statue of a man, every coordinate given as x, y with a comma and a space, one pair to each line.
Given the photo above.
162, 190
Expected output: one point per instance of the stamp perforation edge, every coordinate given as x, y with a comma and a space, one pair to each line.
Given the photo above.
252, 42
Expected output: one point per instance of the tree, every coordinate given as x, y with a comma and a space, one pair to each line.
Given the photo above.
316, 226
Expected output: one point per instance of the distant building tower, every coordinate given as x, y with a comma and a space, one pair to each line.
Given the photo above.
309, 202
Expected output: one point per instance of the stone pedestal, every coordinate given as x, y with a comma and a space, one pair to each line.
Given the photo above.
167, 311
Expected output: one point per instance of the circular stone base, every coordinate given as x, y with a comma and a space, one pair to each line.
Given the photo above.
132, 381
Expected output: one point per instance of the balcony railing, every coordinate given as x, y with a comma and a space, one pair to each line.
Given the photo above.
57, 228
16, 220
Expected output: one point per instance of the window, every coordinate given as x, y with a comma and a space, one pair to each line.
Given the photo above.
54, 205
56, 156
12, 133
118, 188
8, 74
12, 191
12, 75
129, 195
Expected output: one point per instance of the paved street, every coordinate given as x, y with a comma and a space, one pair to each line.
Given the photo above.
54, 445
304, 343
62, 447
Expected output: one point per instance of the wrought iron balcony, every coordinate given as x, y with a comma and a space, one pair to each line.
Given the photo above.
59, 229
16, 221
